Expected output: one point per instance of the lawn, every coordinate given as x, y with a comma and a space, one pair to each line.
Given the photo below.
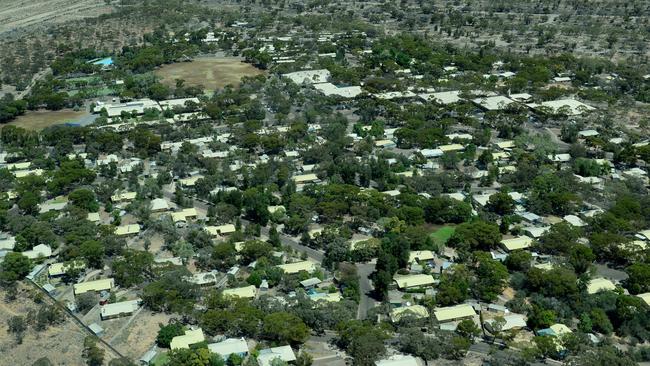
41, 119
443, 234
210, 72
161, 359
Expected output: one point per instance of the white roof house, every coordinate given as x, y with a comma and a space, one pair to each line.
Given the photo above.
184, 215
330, 89
118, 309
159, 204
137, 107
284, 353
398, 360
39, 251
600, 284
574, 107
447, 97
415, 311
308, 76
513, 321
228, 347
305, 178
495, 103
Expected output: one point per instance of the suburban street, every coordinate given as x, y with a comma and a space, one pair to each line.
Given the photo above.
365, 288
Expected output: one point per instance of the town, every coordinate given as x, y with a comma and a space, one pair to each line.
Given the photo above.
284, 189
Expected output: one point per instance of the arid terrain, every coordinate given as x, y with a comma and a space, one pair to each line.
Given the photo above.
210, 72
19, 14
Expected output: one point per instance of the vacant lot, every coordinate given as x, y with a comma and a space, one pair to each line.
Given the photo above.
210, 72
18, 14
62, 343
38, 120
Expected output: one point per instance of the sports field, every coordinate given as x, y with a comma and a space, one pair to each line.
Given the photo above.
41, 119
210, 72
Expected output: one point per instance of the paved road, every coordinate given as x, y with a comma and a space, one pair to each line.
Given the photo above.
365, 288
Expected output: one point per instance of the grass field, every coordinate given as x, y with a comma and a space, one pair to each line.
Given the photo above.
443, 234
41, 119
212, 73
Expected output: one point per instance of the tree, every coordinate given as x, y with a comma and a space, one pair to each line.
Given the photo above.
93, 253
194, 357
43, 361
94, 355
167, 332
468, 329
14, 267
363, 341
501, 203
84, 198
491, 277
475, 235
519, 260
581, 257
18, 326
285, 328
86, 301
132, 268
639, 278
546, 345
454, 286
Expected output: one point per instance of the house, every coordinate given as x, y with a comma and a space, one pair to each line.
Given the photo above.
7, 241
559, 158
574, 220
123, 197
228, 347
119, 309
130, 229
385, 144
293, 268
305, 178
572, 106
59, 269
221, 229
447, 97
191, 336
645, 297
93, 217
513, 321
431, 153
415, 311
247, 292
600, 284
159, 205
416, 280
328, 297
535, 231
398, 360
455, 312
329, 89
105, 284
308, 76
39, 251
268, 355
451, 148
310, 282
519, 242
184, 215
557, 330
204, 278
495, 103
190, 181
420, 255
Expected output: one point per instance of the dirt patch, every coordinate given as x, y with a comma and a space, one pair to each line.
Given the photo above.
136, 337
210, 72
41, 119
62, 344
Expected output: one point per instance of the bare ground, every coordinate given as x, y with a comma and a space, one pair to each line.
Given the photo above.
41, 119
210, 72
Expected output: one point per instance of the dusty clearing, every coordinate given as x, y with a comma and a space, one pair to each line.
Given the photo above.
62, 343
19, 14
213, 72
134, 337
41, 119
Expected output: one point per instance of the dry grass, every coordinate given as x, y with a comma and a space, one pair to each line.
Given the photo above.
210, 72
138, 337
62, 344
41, 119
